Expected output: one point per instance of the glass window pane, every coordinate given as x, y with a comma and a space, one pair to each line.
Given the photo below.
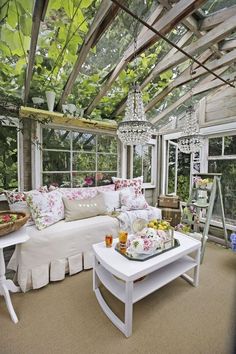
83, 141
147, 164
56, 161
56, 139
57, 179
84, 161
137, 161
183, 180
107, 162
171, 179
83, 179
230, 145
107, 144
228, 184
8, 157
172, 150
103, 178
215, 146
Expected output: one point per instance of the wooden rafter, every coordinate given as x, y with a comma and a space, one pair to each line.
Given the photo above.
191, 23
119, 109
186, 76
207, 84
213, 36
39, 12
169, 20
228, 44
217, 17
123, 62
102, 20
183, 76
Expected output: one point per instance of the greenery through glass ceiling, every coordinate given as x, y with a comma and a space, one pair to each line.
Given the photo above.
60, 38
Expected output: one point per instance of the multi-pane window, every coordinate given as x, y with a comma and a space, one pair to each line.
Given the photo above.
142, 162
8, 157
178, 171
72, 158
222, 159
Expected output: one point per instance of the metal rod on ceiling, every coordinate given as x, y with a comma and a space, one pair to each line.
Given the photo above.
128, 11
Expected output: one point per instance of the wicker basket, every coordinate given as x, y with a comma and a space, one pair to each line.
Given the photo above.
13, 225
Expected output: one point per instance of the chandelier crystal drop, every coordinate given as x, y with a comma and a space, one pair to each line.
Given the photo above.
134, 129
191, 140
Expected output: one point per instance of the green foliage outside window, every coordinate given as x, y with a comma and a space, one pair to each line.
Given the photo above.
8, 157
78, 159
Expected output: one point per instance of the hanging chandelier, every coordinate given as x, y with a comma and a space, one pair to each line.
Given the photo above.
191, 140
134, 129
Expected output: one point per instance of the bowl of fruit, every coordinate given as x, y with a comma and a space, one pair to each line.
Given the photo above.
11, 221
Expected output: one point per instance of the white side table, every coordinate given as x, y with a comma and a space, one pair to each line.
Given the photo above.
7, 285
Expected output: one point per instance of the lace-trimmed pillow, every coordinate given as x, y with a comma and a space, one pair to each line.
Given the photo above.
121, 183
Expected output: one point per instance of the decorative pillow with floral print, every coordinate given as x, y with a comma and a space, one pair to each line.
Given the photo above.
46, 208
84, 193
132, 201
121, 183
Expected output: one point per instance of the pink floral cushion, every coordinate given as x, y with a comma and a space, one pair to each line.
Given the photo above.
46, 208
132, 201
121, 183
84, 193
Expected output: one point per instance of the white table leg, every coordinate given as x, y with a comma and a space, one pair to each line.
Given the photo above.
128, 308
5, 292
5, 286
197, 268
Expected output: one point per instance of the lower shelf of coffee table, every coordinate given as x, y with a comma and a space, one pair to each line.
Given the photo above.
150, 283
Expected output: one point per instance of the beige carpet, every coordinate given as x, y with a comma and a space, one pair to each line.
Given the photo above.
65, 317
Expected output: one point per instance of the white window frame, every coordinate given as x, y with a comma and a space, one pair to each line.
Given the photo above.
37, 161
152, 184
170, 142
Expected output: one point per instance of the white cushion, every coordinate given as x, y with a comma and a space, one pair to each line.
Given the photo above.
111, 200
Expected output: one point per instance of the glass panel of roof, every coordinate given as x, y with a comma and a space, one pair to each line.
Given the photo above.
212, 6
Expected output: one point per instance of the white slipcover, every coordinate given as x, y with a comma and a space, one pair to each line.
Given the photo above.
61, 248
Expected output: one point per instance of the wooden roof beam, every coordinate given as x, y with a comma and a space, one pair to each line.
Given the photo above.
168, 21
39, 12
184, 77
102, 20
211, 37
228, 44
217, 17
207, 84
192, 24
123, 62
120, 108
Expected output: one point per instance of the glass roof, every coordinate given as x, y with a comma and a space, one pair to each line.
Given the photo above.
60, 39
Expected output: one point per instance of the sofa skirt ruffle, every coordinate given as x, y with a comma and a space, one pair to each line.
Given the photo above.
56, 270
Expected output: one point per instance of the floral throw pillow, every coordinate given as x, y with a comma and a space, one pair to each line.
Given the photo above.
136, 183
132, 201
46, 208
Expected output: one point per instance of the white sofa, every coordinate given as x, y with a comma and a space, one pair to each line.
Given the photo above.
66, 247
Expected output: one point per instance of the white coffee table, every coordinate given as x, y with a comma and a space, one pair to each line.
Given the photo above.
162, 269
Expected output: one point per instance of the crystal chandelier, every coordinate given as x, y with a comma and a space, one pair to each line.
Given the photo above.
134, 129
191, 140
